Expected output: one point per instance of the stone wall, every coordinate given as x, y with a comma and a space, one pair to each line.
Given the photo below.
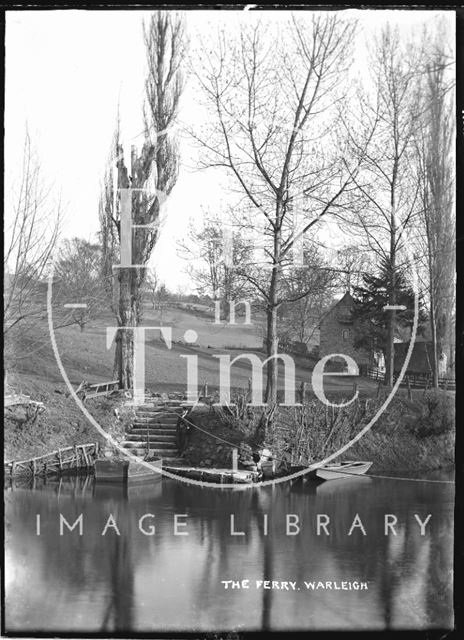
204, 450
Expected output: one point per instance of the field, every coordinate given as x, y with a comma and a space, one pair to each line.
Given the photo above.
85, 356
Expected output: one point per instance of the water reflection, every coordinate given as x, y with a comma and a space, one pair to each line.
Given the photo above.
136, 582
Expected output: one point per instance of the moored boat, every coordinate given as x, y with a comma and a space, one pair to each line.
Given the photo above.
337, 470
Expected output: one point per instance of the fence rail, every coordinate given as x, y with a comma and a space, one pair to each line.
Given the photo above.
93, 390
414, 380
80, 456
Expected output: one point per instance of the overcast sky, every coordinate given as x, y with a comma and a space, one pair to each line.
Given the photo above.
66, 72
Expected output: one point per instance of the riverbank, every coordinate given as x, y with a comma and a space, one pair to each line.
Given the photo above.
61, 424
413, 435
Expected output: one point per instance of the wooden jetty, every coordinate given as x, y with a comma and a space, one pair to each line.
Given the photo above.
218, 476
80, 457
125, 471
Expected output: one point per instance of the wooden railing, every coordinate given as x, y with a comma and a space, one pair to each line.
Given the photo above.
79, 456
413, 380
93, 390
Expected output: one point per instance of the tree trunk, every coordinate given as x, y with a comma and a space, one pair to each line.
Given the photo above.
272, 341
127, 317
390, 347
433, 326
272, 344
225, 309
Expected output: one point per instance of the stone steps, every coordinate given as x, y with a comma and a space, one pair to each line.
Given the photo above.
155, 419
165, 454
153, 446
157, 412
155, 431
155, 425
152, 437
162, 407
158, 420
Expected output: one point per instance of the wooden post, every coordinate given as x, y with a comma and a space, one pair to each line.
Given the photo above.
33, 467
60, 461
409, 388
76, 453
205, 389
13, 468
86, 460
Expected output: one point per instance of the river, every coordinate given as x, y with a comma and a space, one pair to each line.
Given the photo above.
286, 576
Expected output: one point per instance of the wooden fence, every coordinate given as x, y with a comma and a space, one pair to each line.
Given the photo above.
78, 457
414, 380
93, 390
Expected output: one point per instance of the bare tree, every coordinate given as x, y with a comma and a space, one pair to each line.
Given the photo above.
162, 298
151, 286
352, 263
273, 96
389, 205
77, 279
30, 239
435, 176
152, 171
212, 259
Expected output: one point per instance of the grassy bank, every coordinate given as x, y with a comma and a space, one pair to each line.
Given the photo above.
61, 424
412, 436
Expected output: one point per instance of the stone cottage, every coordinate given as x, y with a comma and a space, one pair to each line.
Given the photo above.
337, 335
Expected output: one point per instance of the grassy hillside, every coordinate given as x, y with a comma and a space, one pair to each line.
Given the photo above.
84, 354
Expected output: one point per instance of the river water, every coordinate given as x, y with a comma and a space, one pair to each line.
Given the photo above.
134, 582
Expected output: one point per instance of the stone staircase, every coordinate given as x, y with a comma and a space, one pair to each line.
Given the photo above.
154, 430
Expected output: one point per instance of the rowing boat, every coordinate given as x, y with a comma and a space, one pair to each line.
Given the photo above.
337, 470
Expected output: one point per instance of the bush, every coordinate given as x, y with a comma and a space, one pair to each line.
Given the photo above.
438, 414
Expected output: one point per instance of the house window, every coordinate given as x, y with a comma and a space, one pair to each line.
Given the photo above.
346, 334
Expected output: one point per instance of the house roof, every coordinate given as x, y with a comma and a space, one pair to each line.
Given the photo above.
347, 297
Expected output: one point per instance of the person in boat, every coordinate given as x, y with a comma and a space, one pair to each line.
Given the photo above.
256, 457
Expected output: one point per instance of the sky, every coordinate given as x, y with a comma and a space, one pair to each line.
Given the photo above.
66, 73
